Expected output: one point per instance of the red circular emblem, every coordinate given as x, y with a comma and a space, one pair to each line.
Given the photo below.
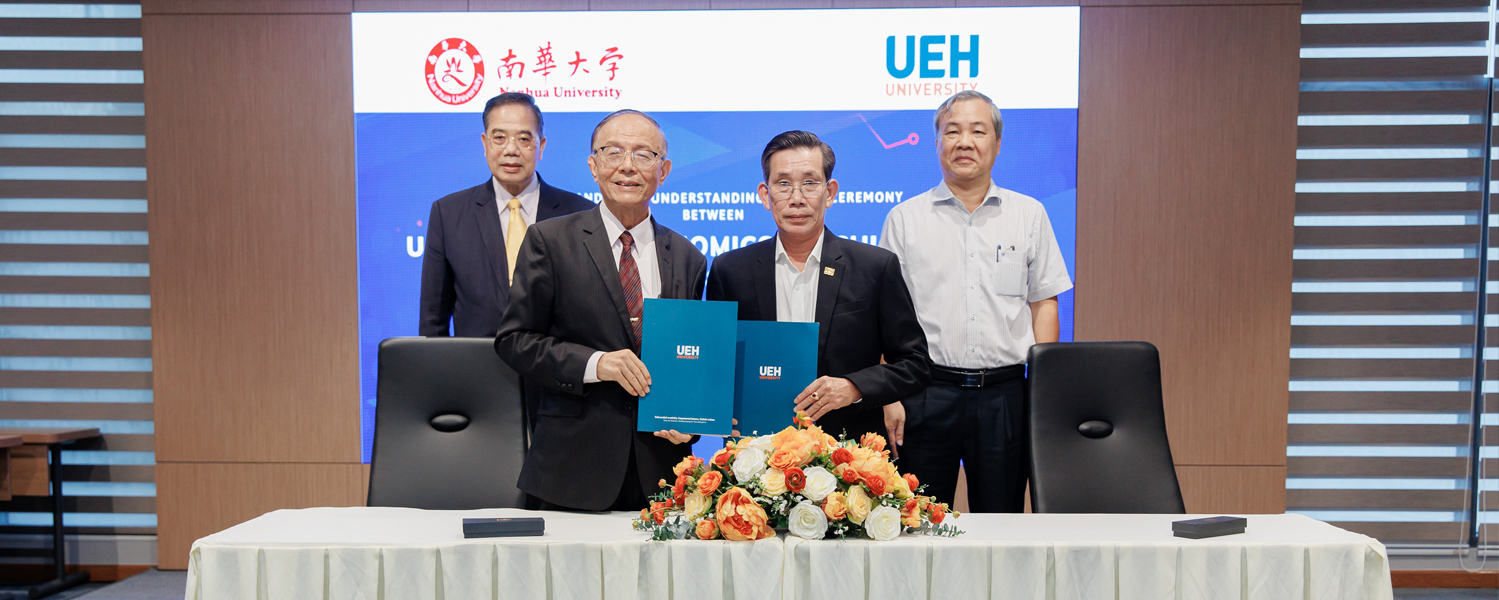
455, 71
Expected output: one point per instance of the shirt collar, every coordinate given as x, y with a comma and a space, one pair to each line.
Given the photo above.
529, 197
813, 259
643, 232
942, 193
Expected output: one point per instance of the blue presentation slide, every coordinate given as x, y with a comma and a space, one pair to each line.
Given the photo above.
408, 160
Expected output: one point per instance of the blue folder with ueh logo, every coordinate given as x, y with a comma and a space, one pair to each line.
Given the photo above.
689, 347
776, 361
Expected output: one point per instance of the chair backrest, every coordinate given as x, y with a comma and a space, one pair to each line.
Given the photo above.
1098, 430
450, 426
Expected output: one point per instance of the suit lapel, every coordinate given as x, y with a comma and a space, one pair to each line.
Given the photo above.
827, 284
548, 204
598, 243
488, 218
765, 282
669, 287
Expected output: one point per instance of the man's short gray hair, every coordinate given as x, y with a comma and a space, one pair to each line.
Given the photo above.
999, 121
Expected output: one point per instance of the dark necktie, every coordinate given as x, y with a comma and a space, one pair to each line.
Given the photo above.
629, 279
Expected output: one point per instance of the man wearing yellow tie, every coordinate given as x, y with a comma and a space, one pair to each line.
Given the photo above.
473, 236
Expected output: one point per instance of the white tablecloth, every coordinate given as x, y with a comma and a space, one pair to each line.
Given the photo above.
407, 554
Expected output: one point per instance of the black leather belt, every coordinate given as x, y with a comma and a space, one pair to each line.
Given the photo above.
968, 378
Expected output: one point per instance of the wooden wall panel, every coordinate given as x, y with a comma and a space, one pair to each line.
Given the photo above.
209, 7
197, 499
1186, 178
1233, 489
253, 280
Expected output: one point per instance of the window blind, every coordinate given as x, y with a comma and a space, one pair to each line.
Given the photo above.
75, 328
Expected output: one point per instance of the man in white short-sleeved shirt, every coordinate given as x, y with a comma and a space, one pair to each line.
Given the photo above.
984, 271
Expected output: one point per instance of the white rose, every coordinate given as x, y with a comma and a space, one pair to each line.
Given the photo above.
773, 482
696, 505
764, 443
807, 521
882, 524
749, 464
820, 483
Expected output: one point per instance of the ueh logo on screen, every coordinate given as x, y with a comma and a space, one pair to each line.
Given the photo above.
455, 71
931, 57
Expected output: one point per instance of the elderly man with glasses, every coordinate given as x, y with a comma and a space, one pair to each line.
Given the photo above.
574, 327
853, 291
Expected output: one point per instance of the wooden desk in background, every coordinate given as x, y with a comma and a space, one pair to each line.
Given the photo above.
30, 473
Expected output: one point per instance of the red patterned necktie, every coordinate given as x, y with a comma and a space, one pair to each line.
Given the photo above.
629, 279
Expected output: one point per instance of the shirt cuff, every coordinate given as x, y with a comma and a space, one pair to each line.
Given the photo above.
591, 372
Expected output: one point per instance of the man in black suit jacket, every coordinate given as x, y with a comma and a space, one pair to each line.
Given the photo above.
465, 266
574, 327
855, 293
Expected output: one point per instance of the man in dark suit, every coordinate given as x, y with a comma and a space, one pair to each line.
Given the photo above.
574, 327
472, 235
853, 291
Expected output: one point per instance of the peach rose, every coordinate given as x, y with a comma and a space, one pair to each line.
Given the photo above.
708, 483
869, 462
773, 482
740, 518
688, 466
835, 506
873, 441
910, 515
707, 529
787, 458
858, 504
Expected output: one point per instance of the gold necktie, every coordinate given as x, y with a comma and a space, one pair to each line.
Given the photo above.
514, 233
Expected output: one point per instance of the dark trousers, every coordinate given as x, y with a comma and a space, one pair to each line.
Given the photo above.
630, 498
984, 428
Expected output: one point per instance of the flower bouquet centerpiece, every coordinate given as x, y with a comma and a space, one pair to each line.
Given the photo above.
801, 479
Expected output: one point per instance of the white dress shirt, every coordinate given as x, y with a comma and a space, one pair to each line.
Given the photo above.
796, 291
973, 275
644, 251
529, 199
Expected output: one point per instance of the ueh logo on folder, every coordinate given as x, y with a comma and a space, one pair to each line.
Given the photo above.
691, 352
768, 372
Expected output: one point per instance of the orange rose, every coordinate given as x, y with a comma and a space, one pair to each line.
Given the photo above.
835, 506
873, 441
795, 479
912, 481
662, 483
721, 458
688, 466
708, 483
788, 458
679, 491
707, 529
937, 516
842, 455
645, 514
658, 511
847, 473
910, 515
876, 485
740, 518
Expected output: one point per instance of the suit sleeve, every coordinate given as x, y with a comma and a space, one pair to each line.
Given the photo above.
908, 367
438, 294
525, 340
716, 292
698, 273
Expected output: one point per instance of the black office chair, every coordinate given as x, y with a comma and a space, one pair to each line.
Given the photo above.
1098, 431
450, 426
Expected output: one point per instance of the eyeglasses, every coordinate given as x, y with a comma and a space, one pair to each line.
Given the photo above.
614, 156
784, 189
525, 142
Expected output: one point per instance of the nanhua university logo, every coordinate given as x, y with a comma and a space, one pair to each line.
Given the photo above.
455, 71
